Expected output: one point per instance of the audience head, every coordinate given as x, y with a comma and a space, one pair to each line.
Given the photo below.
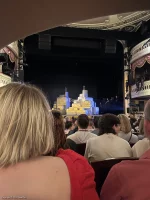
83, 121
68, 125
25, 124
96, 120
59, 132
147, 119
91, 124
109, 123
125, 125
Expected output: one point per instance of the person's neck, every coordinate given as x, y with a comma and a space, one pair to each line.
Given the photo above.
82, 129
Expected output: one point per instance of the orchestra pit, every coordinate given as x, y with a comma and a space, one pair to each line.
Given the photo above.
75, 101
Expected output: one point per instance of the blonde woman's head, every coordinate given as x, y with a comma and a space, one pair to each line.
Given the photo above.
125, 125
26, 124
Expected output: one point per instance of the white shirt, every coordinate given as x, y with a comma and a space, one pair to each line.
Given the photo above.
80, 137
127, 136
141, 147
107, 146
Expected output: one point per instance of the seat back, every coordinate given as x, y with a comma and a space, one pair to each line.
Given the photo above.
80, 148
102, 169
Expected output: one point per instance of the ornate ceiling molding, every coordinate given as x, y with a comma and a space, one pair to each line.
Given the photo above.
125, 21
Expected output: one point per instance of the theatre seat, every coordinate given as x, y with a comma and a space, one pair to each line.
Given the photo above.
102, 169
80, 148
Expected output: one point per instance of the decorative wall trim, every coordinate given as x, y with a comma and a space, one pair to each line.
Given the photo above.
140, 62
124, 21
140, 50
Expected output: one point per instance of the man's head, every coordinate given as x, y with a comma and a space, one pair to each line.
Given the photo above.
83, 121
109, 123
147, 119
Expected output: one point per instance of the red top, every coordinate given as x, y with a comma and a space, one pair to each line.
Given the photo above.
81, 176
128, 180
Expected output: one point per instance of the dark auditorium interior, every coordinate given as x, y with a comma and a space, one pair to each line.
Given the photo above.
72, 60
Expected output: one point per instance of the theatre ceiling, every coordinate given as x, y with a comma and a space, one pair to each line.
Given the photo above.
129, 22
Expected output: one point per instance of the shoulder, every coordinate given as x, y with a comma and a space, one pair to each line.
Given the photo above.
74, 161
72, 135
92, 134
124, 166
141, 142
53, 166
123, 141
92, 139
53, 163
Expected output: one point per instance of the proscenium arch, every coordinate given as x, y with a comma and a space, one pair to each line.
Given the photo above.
21, 18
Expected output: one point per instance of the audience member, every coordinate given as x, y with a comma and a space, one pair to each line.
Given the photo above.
131, 178
75, 129
82, 135
26, 135
59, 132
125, 130
96, 129
133, 121
91, 125
108, 144
68, 127
142, 145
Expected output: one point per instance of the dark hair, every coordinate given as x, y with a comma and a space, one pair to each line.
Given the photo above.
83, 121
73, 120
91, 123
106, 122
68, 124
96, 120
59, 134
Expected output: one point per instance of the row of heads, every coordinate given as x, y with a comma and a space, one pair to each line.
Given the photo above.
104, 123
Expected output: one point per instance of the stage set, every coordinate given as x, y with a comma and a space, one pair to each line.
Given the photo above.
82, 105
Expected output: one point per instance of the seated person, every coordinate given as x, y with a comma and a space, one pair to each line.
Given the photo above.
96, 129
125, 130
130, 179
91, 125
82, 135
26, 135
141, 147
59, 132
75, 128
68, 127
108, 144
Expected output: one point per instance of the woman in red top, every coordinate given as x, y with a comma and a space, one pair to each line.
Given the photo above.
26, 134
81, 176
80, 172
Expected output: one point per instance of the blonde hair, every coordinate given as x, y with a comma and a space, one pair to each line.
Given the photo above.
26, 124
125, 125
